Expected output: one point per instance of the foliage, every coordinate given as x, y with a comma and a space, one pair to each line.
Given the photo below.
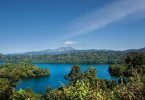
75, 74
82, 85
27, 94
11, 73
135, 64
17, 71
77, 57
118, 70
134, 90
135, 59
88, 87
85, 86
5, 89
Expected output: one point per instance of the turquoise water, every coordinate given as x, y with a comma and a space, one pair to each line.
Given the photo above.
56, 78
1, 63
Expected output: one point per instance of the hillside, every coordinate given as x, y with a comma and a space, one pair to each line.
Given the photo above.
136, 50
60, 50
71, 55
65, 50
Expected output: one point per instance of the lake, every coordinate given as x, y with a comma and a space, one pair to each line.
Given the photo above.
56, 78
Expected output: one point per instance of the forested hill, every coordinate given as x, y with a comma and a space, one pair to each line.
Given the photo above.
66, 50
61, 50
74, 56
1, 57
136, 50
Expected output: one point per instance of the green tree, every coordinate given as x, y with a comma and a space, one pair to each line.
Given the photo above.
75, 74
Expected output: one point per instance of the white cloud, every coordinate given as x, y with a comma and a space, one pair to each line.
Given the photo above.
70, 42
104, 16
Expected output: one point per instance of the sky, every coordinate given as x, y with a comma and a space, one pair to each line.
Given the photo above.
33, 25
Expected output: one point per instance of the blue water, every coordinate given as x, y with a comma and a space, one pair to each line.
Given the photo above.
56, 78
1, 63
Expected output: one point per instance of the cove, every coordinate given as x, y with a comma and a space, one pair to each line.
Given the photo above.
56, 78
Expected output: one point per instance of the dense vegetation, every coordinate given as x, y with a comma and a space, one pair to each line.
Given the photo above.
118, 70
10, 74
8, 92
77, 57
134, 64
1, 57
86, 86
18, 71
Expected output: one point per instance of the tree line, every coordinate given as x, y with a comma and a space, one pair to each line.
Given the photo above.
10, 74
134, 64
82, 85
78, 57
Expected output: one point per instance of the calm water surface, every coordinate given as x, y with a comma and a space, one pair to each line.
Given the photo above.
56, 78
1, 63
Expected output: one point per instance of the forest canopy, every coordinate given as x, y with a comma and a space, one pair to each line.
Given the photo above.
82, 85
22, 70
77, 57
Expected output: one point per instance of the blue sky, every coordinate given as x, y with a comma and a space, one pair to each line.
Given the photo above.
31, 25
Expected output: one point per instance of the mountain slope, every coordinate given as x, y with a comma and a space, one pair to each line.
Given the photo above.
136, 50
142, 50
60, 50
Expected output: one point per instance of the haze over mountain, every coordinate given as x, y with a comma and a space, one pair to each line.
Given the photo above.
52, 51
71, 55
137, 50
63, 50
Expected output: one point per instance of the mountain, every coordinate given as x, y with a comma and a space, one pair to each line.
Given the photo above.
142, 50
71, 55
136, 50
65, 50
60, 50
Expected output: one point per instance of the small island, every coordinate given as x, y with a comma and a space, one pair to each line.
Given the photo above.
10, 74
72, 49
82, 84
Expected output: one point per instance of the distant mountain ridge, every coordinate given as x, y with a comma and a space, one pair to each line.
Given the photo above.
136, 50
65, 50
142, 50
71, 56
52, 51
